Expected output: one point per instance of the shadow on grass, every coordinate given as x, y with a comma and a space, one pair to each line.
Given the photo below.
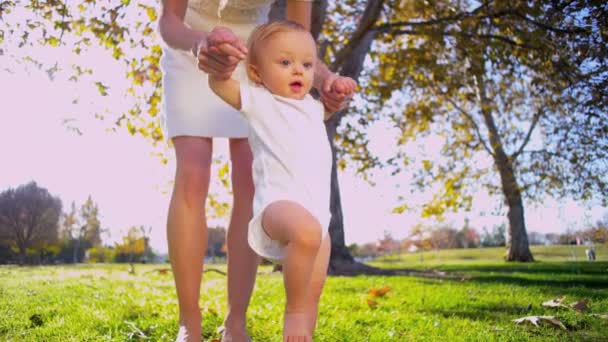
547, 282
554, 274
559, 275
567, 267
483, 312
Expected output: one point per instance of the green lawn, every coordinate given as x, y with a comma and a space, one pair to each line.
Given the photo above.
106, 303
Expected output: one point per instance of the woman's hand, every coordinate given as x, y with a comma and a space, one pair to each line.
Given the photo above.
336, 92
219, 51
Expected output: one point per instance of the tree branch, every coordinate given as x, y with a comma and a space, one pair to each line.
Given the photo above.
535, 120
370, 16
469, 117
463, 15
549, 27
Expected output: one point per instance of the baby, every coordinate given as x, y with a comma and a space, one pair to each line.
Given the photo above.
291, 166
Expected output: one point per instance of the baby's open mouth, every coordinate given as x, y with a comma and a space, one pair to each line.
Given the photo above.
295, 86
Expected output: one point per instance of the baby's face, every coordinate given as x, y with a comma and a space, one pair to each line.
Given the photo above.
286, 64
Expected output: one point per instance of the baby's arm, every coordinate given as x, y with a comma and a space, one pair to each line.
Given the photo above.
227, 89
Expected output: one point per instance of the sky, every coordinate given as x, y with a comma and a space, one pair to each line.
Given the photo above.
132, 187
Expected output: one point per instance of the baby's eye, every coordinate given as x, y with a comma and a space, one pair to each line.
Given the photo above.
285, 62
308, 65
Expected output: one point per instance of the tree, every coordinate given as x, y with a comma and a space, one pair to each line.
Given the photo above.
87, 232
133, 247
29, 217
388, 245
71, 234
522, 82
89, 212
467, 237
494, 238
68, 222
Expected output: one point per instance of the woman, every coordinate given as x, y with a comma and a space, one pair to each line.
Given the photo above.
192, 116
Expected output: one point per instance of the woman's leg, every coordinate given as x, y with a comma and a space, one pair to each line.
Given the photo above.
293, 225
242, 260
187, 229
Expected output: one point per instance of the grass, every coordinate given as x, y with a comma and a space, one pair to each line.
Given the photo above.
106, 303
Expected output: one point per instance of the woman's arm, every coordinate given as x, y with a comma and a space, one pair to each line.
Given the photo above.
299, 11
172, 28
214, 56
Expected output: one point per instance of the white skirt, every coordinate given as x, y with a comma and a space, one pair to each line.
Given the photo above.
189, 106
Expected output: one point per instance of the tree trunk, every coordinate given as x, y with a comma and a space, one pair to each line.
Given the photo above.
75, 251
517, 242
339, 253
518, 247
22, 255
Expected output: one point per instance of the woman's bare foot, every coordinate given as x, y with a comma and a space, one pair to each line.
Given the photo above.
296, 328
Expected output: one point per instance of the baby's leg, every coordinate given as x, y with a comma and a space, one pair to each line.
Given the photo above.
291, 224
317, 280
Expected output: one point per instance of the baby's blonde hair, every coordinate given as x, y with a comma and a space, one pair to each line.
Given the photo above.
265, 31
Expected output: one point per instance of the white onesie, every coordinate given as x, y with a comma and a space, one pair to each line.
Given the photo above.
291, 159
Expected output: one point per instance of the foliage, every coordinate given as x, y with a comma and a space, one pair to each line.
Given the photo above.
496, 237
124, 28
134, 246
79, 230
597, 233
91, 227
100, 254
543, 66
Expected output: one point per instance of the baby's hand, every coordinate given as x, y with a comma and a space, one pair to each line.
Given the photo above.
344, 85
337, 91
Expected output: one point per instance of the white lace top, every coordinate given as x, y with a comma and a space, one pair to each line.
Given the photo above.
236, 11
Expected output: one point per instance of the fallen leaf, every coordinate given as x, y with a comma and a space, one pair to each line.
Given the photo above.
581, 305
555, 303
372, 303
604, 316
534, 320
379, 292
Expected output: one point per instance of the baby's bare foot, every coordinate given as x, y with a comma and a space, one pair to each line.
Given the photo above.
235, 336
296, 328
188, 335
189, 330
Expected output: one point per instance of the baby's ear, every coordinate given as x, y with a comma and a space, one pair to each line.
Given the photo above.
254, 74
